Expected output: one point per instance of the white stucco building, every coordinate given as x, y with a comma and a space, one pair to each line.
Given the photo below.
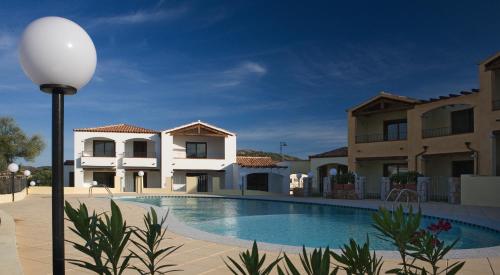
192, 158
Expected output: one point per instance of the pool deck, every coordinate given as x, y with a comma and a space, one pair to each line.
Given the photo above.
32, 217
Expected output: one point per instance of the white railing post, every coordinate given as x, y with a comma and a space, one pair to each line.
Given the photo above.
385, 187
423, 184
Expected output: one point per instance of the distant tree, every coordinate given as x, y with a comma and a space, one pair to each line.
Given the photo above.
15, 144
42, 176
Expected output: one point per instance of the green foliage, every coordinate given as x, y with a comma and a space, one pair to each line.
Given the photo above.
346, 178
42, 177
106, 237
255, 153
14, 143
316, 263
251, 263
398, 228
406, 177
356, 259
149, 242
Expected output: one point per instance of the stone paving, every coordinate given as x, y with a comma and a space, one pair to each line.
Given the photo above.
33, 236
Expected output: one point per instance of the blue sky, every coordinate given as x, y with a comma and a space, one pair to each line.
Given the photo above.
270, 71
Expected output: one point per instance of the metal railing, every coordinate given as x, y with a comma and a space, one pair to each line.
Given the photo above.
110, 194
495, 105
379, 137
140, 154
400, 193
98, 154
443, 131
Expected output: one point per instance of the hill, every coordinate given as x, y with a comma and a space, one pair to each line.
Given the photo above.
255, 153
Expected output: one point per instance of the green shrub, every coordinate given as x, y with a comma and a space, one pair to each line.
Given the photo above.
252, 263
316, 263
356, 259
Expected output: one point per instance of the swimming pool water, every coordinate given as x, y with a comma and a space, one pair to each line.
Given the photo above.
298, 224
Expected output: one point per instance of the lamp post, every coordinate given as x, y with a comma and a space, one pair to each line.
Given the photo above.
32, 183
141, 183
60, 57
27, 174
282, 144
13, 168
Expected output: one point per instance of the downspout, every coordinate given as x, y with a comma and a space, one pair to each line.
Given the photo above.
418, 155
476, 157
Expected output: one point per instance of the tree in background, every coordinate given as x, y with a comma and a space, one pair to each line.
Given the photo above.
15, 144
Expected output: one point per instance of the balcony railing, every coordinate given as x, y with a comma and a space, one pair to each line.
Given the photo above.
495, 105
98, 154
379, 137
444, 131
140, 154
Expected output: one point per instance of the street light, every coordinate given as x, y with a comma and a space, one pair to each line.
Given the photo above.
282, 144
141, 179
13, 168
27, 174
60, 57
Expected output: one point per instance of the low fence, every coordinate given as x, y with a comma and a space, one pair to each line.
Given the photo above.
6, 184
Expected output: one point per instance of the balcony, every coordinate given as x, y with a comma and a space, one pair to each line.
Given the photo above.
445, 131
140, 159
90, 159
199, 163
369, 138
495, 104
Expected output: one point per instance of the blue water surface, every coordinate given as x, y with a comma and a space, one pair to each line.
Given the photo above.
298, 224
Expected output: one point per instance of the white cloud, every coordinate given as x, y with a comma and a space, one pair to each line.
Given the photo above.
239, 74
143, 16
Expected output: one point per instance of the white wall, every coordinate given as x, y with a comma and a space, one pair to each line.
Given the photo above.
83, 142
67, 169
279, 178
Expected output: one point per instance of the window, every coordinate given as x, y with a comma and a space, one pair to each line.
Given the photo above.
140, 149
395, 129
462, 121
395, 168
105, 178
197, 150
257, 181
104, 148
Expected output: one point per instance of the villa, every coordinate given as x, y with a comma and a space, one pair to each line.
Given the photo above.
192, 158
442, 138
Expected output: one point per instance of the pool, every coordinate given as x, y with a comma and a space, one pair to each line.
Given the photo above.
297, 224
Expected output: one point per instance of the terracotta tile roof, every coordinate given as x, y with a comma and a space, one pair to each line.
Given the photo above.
257, 162
339, 152
118, 128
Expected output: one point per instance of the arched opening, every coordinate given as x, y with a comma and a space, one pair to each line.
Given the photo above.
99, 147
447, 120
139, 148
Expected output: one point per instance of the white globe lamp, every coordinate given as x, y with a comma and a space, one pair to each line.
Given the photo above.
59, 57
141, 174
13, 168
32, 183
27, 173
333, 172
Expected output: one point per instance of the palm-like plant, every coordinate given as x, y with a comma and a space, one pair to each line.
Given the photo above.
252, 263
149, 243
316, 263
356, 259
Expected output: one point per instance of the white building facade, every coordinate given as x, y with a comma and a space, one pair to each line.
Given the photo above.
192, 158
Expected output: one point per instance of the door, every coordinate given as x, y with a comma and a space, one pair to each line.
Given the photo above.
202, 181
105, 178
462, 167
71, 179
140, 149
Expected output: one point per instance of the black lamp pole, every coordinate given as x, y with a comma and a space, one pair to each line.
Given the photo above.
58, 92
12, 179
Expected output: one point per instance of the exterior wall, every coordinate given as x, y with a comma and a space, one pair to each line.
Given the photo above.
480, 191
373, 170
297, 166
278, 180
374, 124
66, 170
221, 155
318, 162
486, 121
83, 143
